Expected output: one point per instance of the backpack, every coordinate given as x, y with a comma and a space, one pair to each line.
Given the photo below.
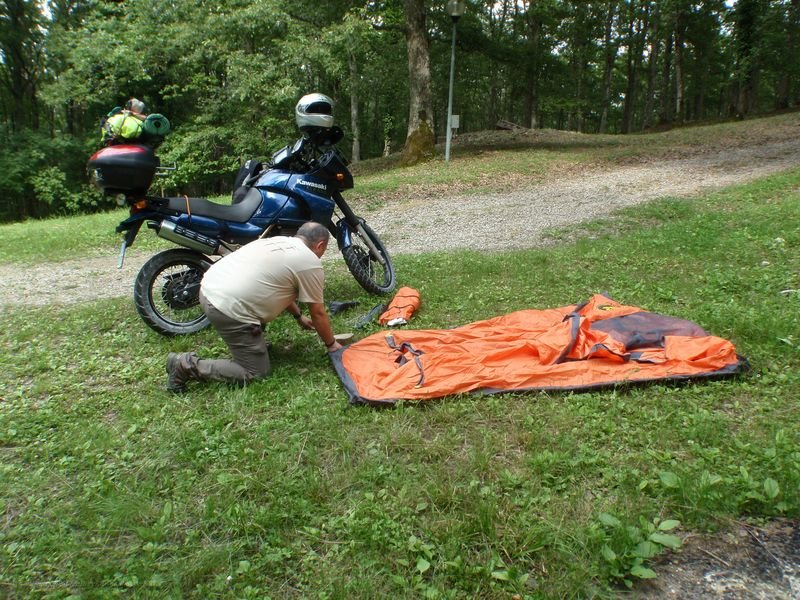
120, 126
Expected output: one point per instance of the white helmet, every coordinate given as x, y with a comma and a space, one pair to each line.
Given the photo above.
136, 105
314, 110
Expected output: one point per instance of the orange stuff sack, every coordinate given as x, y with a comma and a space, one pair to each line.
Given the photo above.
404, 304
579, 347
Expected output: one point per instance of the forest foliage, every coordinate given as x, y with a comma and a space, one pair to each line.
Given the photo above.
228, 73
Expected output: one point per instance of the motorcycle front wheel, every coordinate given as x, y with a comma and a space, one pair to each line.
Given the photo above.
375, 277
166, 292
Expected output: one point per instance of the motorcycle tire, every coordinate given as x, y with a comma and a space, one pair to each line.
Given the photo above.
166, 292
376, 278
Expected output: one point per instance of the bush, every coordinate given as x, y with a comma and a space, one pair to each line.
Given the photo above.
42, 176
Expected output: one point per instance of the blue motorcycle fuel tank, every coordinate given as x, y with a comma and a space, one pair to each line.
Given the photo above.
292, 199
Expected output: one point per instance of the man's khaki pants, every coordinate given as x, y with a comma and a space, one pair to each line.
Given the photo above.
246, 344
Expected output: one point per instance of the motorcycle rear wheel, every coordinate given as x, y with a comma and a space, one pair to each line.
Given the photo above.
376, 278
166, 292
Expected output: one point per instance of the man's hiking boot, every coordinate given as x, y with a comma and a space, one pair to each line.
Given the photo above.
176, 374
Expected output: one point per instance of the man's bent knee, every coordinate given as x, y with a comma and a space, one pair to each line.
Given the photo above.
261, 372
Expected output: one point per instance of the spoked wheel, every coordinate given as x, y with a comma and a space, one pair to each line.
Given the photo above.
375, 276
167, 290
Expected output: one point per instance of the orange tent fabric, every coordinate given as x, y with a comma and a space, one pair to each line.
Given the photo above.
598, 343
404, 304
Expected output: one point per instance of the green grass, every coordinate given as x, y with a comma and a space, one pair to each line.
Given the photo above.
59, 239
112, 487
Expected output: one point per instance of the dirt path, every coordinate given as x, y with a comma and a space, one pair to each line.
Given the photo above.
507, 220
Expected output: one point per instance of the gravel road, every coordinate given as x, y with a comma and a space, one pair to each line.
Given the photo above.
508, 220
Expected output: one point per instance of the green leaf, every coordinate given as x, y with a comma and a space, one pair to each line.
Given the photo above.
670, 541
422, 565
646, 549
608, 554
772, 488
669, 479
668, 525
244, 566
609, 520
166, 513
643, 572
501, 575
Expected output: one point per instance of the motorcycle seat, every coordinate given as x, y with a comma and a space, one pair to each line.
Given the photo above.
237, 213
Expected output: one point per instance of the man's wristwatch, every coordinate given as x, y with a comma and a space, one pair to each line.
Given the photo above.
298, 316
331, 344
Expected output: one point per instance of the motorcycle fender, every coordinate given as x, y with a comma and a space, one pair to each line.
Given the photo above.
344, 234
131, 227
134, 222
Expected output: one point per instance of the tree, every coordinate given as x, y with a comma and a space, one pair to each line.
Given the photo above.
21, 61
782, 49
637, 19
610, 49
420, 140
749, 15
588, 65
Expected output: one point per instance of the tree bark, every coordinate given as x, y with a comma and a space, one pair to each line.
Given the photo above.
785, 96
748, 15
21, 64
667, 94
679, 73
610, 53
354, 117
652, 71
420, 140
578, 62
534, 32
637, 24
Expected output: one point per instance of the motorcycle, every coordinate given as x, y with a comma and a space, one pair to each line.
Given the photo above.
303, 182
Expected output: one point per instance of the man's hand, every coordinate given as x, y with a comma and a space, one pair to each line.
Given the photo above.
305, 323
319, 318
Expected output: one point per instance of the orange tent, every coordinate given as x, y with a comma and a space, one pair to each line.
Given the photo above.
578, 347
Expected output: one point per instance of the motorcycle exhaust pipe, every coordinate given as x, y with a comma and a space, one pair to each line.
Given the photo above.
187, 238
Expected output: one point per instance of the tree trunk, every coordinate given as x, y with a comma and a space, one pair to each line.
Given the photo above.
748, 17
679, 35
20, 67
578, 66
534, 32
785, 97
652, 71
420, 140
608, 66
637, 24
356, 155
667, 94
